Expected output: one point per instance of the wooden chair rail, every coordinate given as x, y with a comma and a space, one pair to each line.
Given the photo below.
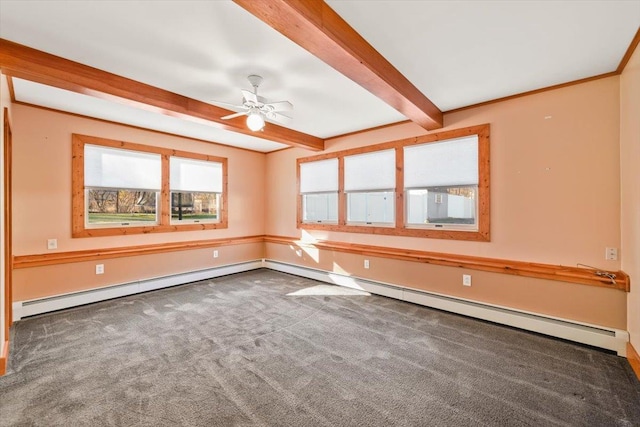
28, 261
561, 273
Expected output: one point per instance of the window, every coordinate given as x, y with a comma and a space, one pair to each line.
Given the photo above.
369, 183
441, 183
319, 191
121, 186
435, 186
196, 188
126, 188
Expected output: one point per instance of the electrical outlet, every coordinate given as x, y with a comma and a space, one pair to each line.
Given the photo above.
215, 254
52, 244
99, 268
366, 263
466, 280
611, 254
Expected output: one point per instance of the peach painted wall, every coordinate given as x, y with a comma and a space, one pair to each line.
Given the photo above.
555, 191
630, 188
42, 203
555, 198
588, 304
5, 102
38, 282
42, 178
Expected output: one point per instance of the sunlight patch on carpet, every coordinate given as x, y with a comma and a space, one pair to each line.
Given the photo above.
328, 290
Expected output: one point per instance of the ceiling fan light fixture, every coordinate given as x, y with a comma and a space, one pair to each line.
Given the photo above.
255, 122
258, 109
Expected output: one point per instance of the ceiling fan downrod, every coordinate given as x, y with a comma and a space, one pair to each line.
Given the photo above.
255, 81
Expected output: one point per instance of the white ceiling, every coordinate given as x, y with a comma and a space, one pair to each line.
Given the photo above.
457, 53
72, 102
460, 53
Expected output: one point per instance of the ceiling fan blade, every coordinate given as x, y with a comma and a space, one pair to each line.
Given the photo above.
234, 115
277, 117
279, 106
249, 96
227, 105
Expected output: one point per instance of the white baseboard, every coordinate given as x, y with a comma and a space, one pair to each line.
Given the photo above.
594, 335
29, 308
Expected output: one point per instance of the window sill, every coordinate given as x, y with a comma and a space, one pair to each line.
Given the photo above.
125, 231
432, 233
371, 224
443, 227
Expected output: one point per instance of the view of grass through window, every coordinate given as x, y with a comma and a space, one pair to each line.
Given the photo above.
107, 206
194, 207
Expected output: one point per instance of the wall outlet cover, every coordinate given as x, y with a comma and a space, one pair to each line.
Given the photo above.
466, 280
611, 254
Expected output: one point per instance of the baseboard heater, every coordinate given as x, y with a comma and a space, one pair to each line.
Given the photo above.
594, 335
23, 309
597, 336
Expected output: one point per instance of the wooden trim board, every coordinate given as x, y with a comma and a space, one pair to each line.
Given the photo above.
621, 66
4, 357
159, 132
627, 55
23, 62
12, 92
518, 268
634, 359
401, 228
29, 261
532, 92
79, 226
371, 129
8, 228
314, 26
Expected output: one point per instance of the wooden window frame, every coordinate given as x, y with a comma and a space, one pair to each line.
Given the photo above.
482, 234
78, 228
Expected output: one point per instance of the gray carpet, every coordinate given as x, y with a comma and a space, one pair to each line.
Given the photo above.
242, 351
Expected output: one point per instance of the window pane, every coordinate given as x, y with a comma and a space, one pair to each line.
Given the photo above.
189, 175
319, 177
320, 207
122, 207
116, 168
370, 171
377, 207
195, 207
451, 162
442, 205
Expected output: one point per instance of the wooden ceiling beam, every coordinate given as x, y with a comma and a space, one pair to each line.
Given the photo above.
316, 27
30, 64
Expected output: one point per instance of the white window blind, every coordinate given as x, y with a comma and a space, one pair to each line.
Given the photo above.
448, 163
319, 177
116, 168
370, 171
190, 175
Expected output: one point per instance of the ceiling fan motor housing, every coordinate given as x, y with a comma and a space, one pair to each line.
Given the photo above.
255, 80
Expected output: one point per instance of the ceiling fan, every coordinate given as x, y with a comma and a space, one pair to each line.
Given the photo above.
257, 108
